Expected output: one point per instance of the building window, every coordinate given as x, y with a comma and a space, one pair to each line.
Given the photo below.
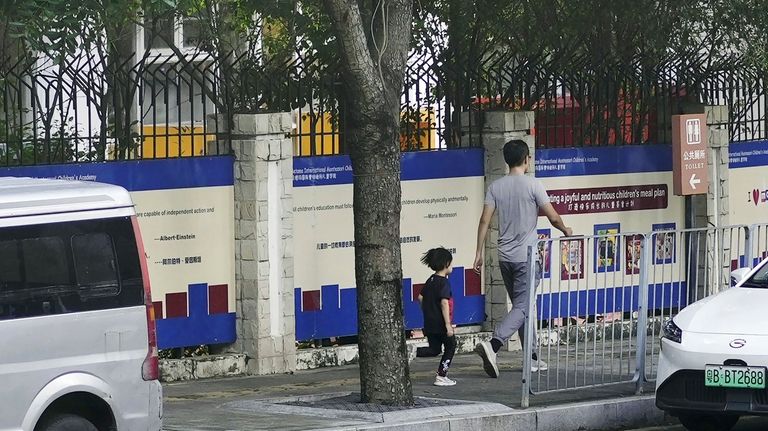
186, 33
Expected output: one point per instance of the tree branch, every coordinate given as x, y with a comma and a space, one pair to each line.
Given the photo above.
361, 68
399, 18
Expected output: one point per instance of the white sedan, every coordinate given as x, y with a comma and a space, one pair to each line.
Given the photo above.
714, 354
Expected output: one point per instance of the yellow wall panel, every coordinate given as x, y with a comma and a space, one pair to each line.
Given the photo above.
325, 135
173, 141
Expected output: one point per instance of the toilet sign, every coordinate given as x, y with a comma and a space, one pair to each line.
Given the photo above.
689, 154
693, 131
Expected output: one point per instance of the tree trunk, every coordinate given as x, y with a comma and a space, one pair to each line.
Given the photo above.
373, 90
383, 366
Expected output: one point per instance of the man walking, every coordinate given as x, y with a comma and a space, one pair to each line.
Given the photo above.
518, 198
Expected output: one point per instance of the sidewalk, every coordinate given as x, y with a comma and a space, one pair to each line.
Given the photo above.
239, 403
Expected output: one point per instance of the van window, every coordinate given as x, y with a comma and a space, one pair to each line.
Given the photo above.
45, 261
10, 264
95, 264
69, 267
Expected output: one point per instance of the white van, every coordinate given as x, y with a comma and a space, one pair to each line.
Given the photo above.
78, 349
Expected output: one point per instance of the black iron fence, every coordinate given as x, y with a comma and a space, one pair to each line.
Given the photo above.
583, 102
91, 107
88, 107
744, 93
577, 102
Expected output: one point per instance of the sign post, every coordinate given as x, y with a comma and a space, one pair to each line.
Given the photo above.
689, 154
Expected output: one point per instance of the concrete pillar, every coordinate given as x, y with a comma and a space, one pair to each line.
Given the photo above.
492, 130
264, 242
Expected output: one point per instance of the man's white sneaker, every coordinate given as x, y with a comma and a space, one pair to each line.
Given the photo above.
486, 353
412, 349
443, 381
539, 365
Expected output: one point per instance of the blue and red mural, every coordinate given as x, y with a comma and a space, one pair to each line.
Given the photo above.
198, 316
332, 312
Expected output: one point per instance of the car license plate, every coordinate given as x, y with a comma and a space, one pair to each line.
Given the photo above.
734, 376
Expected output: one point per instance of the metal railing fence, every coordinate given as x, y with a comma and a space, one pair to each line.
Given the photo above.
602, 300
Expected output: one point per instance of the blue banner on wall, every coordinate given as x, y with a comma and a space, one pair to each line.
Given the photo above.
567, 162
140, 175
748, 154
424, 165
593, 302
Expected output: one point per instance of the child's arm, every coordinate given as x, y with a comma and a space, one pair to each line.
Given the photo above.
445, 308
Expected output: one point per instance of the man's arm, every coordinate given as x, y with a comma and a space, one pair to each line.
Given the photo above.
445, 308
555, 219
482, 232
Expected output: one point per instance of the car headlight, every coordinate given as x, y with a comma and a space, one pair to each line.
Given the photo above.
672, 332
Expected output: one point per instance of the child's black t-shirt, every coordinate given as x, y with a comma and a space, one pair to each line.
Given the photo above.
435, 289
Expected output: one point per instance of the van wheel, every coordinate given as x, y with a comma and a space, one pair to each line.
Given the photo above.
68, 422
694, 422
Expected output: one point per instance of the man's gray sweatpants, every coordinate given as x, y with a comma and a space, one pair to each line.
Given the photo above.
517, 281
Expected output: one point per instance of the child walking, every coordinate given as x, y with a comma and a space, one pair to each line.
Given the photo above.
435, 300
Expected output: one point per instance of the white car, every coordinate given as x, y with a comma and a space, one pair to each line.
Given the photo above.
714, 354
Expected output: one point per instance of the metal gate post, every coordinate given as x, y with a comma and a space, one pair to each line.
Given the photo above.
749, 233
642, 313
530, 321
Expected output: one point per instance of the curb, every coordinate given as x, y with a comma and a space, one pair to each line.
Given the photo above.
442, 410
202, 367
614, 414
623, 413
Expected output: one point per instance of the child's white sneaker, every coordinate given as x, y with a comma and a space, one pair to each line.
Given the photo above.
444, 381
539, 365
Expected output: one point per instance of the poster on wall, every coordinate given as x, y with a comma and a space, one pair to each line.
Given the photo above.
634, 248
572, 259
606, 247
545, 251
664, 243
185, 211
442, 199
